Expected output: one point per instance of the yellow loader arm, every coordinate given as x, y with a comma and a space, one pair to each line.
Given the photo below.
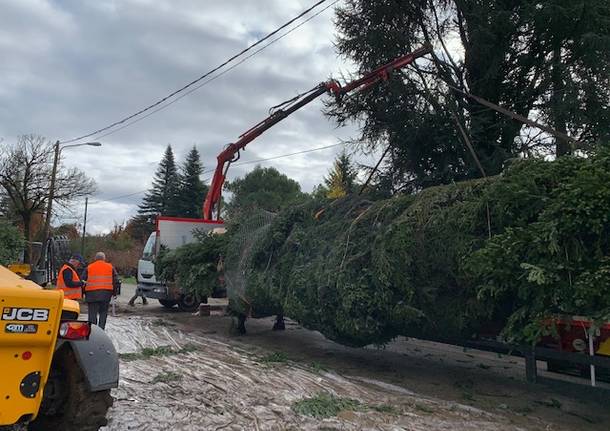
21, 269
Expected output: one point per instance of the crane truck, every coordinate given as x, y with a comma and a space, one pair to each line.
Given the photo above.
172, 232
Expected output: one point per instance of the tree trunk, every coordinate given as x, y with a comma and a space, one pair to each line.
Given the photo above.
484, 74
27, 233
558, 117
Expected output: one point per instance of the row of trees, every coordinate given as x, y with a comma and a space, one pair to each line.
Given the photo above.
180, 191
270, 190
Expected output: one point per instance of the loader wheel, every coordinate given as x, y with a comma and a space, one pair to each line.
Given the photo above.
189, 302
67, 405
167, 303
18, 427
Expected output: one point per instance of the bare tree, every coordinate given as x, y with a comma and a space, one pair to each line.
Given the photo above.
25, 173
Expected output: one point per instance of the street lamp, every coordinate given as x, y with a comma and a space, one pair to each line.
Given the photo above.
47, 223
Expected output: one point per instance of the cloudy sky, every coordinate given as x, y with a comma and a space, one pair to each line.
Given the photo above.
70, 67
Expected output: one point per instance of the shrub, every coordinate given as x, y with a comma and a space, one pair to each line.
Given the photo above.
11, 243
193, 266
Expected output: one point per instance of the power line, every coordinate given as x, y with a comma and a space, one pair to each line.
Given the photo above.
118, 197
288, 155
250, 162
202, 77
171, 102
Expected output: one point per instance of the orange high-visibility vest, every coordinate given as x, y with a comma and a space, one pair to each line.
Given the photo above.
99, 276
69, 292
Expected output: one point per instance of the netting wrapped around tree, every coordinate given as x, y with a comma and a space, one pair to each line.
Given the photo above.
477, 257
248, 229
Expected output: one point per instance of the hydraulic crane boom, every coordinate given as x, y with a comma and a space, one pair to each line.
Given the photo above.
231, 152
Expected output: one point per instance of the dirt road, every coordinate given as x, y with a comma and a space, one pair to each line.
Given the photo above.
185, 372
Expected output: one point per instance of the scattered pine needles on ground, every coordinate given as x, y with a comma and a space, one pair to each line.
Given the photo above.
324, 405
149, 352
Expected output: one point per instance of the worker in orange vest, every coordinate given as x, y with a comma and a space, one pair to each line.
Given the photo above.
102, 281
68, 279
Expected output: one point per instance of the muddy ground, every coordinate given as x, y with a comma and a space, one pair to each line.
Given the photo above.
185, 372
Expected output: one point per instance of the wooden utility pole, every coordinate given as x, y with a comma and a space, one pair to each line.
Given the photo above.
82, 242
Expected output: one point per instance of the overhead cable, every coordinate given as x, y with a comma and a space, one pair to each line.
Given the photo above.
213, 78
199, 79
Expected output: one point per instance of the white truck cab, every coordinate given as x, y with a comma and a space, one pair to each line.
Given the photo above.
146, 267
171, 233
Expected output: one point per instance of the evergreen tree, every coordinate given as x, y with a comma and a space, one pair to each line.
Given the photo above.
264, 188
547, 60
162, 198
575, 35
341, 179
192, 191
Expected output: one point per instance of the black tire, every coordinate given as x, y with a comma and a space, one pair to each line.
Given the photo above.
19, 427
189, 302
67, 404
167, 303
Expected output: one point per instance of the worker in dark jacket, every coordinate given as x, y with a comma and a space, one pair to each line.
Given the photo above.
68, 279
138, 292
102, 282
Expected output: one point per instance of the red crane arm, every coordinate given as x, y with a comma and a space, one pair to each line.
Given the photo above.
231, 152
